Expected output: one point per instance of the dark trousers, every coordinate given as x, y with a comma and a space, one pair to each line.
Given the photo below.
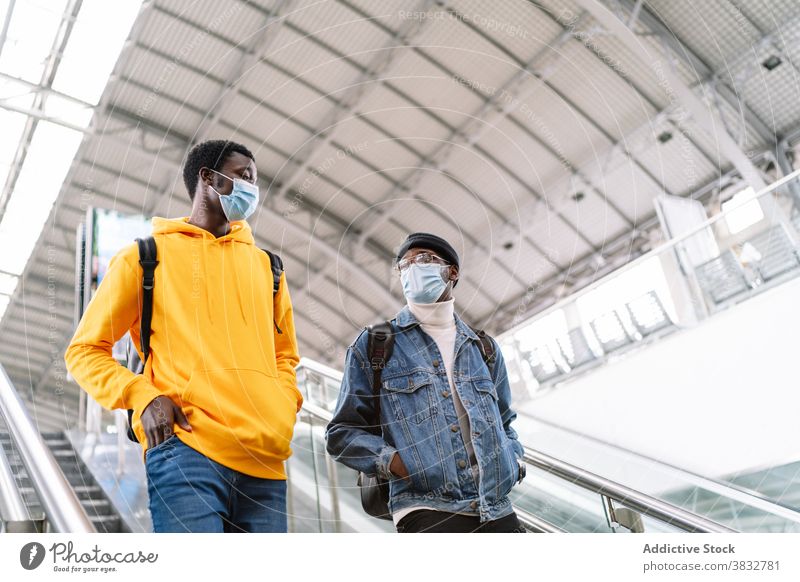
430, 521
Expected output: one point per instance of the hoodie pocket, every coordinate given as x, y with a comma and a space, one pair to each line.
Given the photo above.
244, 406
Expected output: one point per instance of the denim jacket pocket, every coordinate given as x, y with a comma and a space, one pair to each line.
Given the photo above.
487, 395
410, 395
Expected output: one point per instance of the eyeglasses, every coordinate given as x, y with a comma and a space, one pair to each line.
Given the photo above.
419, 259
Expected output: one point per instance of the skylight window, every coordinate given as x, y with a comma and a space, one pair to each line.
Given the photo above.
91, 51
69, 111
31, 35
743, 210
3, 10
15, 94
7, 283
49, 157
13, 124
97, 38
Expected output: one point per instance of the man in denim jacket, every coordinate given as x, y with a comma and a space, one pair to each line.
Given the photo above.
446, 443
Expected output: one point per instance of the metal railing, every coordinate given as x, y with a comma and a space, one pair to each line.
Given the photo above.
610, 491
63, 510
14, 515
676, 479
632, 504
675, 242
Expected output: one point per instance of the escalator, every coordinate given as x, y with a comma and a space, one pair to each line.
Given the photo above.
573, 483
68, 481
778, 485
763, 500
93, 499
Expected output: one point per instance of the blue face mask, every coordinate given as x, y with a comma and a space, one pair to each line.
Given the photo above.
241, 202
423, 283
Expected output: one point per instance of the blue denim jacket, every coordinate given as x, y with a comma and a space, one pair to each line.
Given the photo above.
419, 422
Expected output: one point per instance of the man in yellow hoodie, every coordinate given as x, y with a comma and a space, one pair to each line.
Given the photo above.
216, 405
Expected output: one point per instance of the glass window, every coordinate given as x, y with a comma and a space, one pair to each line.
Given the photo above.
743, 210
628, 287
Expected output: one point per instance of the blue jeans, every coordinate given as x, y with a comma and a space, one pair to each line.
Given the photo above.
191, 493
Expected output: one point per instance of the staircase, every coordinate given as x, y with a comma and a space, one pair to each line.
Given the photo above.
91, 495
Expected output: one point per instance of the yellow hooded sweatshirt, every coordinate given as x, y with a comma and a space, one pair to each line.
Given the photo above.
214, 348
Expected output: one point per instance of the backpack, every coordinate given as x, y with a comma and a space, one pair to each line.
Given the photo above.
380, 344
148, 255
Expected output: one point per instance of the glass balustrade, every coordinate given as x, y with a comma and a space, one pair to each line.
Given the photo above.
324, 496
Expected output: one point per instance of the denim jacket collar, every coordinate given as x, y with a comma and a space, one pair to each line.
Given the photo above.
405, 319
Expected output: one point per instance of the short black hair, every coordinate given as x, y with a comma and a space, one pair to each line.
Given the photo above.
209, 154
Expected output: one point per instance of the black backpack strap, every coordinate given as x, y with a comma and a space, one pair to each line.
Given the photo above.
148, 255
276, 266
380, 343
486, 345
147, 259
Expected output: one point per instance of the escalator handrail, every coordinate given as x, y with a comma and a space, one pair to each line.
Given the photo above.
535, 523
63, 510
631, 498
314, 366
12, 505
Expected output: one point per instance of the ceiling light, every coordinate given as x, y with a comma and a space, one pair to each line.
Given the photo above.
771, 62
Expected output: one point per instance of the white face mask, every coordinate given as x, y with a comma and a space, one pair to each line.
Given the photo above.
241, 202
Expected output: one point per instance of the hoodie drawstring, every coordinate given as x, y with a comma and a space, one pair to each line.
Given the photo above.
239, 289
209, 292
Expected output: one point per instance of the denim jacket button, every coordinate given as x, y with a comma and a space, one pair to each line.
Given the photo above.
474, 505
454, 428
462, 463
436, 363
445, 394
